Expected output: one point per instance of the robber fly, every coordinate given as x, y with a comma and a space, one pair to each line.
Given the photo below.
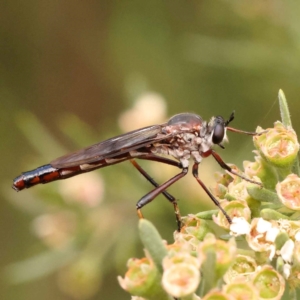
184, 137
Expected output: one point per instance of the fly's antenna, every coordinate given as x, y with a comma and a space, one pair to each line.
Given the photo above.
230, 119
238, 130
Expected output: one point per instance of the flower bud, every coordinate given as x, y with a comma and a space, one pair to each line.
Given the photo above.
238, 190
241, 290
217, 295
181, 279
262, 170
288, 191
234, 209
180, 258
224, 252
243, 267
278, 145
194, 228
225, 178
181, 275
269, 283
142, 279
220, 190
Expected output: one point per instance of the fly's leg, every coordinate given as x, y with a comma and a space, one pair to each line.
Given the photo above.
158, 190
168, 196
212, 197
224, 166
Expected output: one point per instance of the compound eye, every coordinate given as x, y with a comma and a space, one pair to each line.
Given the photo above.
218, 134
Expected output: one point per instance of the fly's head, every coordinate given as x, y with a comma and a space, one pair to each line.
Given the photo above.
216, 129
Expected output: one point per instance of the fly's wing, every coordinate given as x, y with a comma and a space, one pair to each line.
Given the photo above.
111, 147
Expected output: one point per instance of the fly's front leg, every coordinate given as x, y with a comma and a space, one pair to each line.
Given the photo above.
212, 197
158, 190
168, 196
224, 166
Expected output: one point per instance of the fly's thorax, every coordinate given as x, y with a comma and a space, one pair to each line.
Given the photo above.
186, 141
180, 145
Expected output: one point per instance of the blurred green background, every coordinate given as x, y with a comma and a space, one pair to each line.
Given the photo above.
72, 72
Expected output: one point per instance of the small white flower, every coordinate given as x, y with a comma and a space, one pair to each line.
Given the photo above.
287, 270
272, 234
272, 252
263, 226
287, 250
297, 236
239, 226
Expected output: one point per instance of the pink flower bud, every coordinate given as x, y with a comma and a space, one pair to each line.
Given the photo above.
278, 145
142, 278
288, 191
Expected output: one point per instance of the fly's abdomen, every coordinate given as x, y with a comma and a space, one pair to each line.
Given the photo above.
42, 174
48, 173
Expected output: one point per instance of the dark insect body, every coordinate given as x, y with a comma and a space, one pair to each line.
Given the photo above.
185, 137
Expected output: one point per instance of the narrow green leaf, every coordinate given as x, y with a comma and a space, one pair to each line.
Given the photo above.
286, 120
280, 240
270, 214
295, 216
209, 271
152, 242
284, 110
263, 195
207, 215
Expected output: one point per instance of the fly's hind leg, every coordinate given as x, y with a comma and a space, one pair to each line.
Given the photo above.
168, 196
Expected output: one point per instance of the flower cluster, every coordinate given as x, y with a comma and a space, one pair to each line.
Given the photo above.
260, 254
187, 269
